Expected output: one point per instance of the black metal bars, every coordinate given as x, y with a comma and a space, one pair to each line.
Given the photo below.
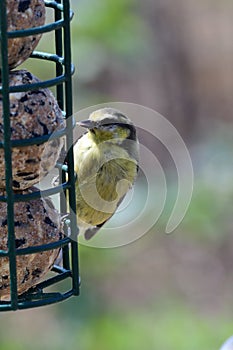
63, 82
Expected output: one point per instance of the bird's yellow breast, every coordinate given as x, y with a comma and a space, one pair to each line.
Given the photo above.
105, 173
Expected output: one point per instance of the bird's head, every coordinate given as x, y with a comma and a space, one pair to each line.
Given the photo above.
108, 124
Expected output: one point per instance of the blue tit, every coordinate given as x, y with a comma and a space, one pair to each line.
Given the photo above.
106, 160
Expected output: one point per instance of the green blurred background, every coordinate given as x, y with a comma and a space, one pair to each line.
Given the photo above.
163, 292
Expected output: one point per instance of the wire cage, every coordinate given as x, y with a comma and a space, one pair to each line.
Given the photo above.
37, 295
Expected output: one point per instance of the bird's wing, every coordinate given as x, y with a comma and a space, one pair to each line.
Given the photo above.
91, 231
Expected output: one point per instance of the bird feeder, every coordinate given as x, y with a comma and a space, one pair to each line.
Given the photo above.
46, 291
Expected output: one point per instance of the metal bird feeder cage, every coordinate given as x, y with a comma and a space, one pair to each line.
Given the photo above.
38, 295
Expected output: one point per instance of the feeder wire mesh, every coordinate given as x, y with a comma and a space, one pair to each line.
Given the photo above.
36, 296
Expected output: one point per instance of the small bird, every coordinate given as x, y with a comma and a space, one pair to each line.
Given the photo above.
106, 161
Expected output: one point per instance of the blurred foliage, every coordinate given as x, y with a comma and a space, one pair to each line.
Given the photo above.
170, 327
116, 25
107, 35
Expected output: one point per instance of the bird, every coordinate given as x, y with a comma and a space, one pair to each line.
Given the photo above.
106, 162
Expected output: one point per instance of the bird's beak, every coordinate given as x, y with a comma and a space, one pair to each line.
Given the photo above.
88, 124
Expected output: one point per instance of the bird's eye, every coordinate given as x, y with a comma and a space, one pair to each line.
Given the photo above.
92, 131
112, 128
